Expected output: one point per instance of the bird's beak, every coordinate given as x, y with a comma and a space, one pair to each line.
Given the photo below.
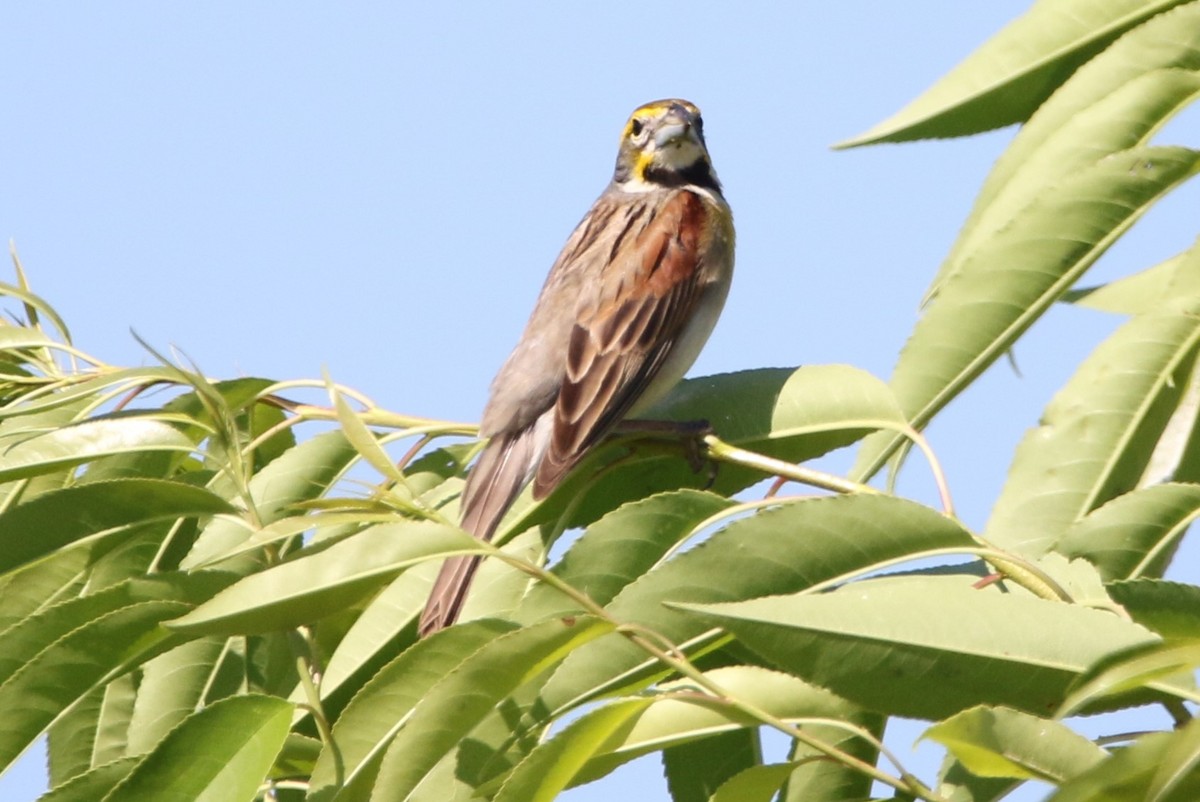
677, 125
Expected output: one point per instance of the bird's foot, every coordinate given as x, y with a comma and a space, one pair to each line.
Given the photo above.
690, 433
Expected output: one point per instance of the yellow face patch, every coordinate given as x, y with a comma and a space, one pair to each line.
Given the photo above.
663, 144
656, 108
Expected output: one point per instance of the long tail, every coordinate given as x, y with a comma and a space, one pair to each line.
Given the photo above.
502, 470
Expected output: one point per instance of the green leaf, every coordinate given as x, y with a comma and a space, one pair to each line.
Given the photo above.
620, 547
552, 766
219, 754
35, 454
758, 784
86, 391
70, 741
1009, 77
1137, 294
34, 587
1157, 768
1179, 770
323, 579
1105, 108
1098, 433
92, 785
386, 624
499, 586
452, 708
36, 694
302, 474
1135, 534
1138, 667
172, 687
24, 641
94, 512
696, 769
815, 777
943, 645
1172, 609
784, 549
370, 721
112, 725
998, 742
957, 784
1011, 278
670, 722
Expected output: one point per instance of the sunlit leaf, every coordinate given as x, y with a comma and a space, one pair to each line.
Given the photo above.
1134, 534
998, 742
943, 645
220, 754
1098, 434
1008, 77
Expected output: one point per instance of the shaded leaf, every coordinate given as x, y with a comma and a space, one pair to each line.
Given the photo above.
1135, 668
758, 784
680, 719
696, 769
48, 684
1172, 609
172, 687
551, 767
620, 547
793, 415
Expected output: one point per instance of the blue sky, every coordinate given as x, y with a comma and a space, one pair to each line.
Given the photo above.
378, 189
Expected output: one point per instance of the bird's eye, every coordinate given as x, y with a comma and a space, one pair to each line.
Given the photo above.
635, 126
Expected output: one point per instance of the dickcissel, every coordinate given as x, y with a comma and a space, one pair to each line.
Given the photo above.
623, 314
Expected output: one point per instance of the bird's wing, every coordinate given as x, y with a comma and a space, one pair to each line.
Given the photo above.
649, 286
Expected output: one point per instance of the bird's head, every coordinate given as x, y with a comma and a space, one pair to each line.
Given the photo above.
663, 145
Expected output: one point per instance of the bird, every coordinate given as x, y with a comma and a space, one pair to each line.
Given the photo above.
624, 312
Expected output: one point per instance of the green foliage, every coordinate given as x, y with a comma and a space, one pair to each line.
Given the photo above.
211, 593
